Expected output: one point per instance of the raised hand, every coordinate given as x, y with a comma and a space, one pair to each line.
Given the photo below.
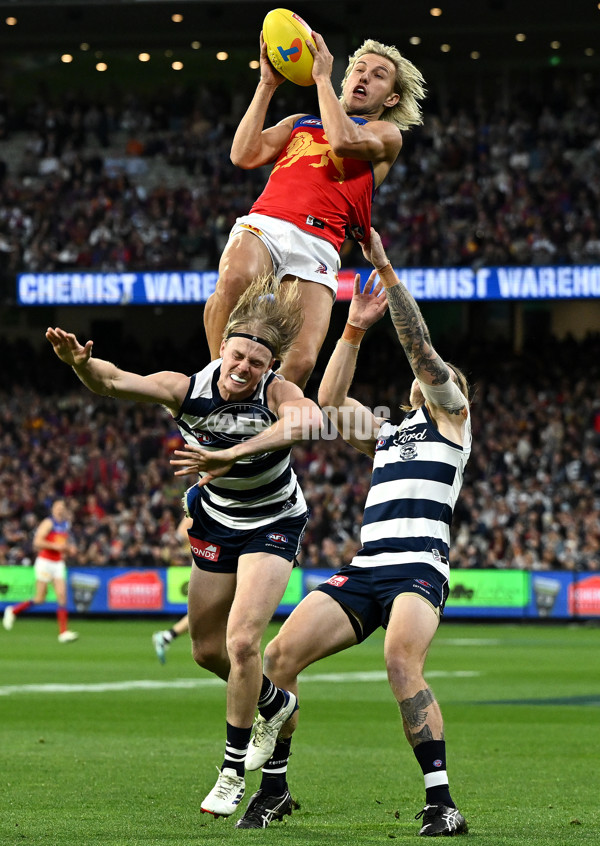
67, 347
322, 58
268, 74
373, 250
368, 307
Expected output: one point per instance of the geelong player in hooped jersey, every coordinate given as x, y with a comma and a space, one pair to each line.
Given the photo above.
399, 578
326, 169
248, 513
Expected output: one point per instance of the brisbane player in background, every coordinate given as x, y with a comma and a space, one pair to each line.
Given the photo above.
326, 170
52, 543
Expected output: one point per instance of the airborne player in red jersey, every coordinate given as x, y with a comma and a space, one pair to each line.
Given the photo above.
326, 170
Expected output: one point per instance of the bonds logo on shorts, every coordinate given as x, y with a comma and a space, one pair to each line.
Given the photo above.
422, 582
204, 549
337, 581
277, 537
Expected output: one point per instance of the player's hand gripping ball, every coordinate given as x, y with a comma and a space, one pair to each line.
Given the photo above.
285, 35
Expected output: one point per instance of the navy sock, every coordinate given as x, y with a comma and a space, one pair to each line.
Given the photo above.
236, 748
271, 699
274, 772
431, 756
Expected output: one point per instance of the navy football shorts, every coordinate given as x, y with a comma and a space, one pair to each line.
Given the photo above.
367, 593
217, 548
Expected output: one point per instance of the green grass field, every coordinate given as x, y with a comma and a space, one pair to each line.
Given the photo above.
102, 745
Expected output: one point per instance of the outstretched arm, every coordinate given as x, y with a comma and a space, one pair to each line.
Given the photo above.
406, 316
102, 377
429, 368
254, 146
355, 423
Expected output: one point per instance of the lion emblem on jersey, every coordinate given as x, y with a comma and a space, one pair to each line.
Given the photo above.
303, 144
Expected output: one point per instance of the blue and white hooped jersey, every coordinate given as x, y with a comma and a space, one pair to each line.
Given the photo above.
417, 476
257, 489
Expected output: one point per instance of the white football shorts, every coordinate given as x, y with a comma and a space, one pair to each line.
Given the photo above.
293, 251
47, 570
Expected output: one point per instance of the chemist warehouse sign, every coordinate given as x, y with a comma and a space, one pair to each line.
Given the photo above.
434, 283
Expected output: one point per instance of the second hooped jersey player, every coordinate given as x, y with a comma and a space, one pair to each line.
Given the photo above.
317, 191
417, 476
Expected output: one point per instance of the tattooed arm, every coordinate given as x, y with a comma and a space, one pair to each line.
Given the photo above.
408, 321
437, 383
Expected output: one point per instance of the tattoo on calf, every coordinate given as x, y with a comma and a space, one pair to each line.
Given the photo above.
421, 736
414, 710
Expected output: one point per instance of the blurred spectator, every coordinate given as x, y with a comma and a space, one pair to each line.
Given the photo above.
530, 500
486, 185
482, 184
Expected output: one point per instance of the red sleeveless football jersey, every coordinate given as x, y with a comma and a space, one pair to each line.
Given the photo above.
316, 190
59, 532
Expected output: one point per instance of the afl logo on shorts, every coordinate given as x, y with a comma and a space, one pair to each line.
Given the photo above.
277, 537
422, 582
203, 438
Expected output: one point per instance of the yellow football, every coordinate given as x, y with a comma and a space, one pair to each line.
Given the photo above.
285, 35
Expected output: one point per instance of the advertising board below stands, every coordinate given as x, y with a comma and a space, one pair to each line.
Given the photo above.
433, 284
478, 594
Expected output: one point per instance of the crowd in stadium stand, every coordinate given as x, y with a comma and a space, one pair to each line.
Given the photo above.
531, 498
494, 184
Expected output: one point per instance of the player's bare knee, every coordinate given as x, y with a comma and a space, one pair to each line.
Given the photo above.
230, 286
242, 647
279, 663
207, 655
271, 658
404, 674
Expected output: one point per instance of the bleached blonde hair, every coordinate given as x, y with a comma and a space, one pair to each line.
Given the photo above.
270, 310
409, 84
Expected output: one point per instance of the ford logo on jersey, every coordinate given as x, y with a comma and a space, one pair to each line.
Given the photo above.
277, 537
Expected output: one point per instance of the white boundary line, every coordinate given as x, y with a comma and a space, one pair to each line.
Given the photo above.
190, 684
